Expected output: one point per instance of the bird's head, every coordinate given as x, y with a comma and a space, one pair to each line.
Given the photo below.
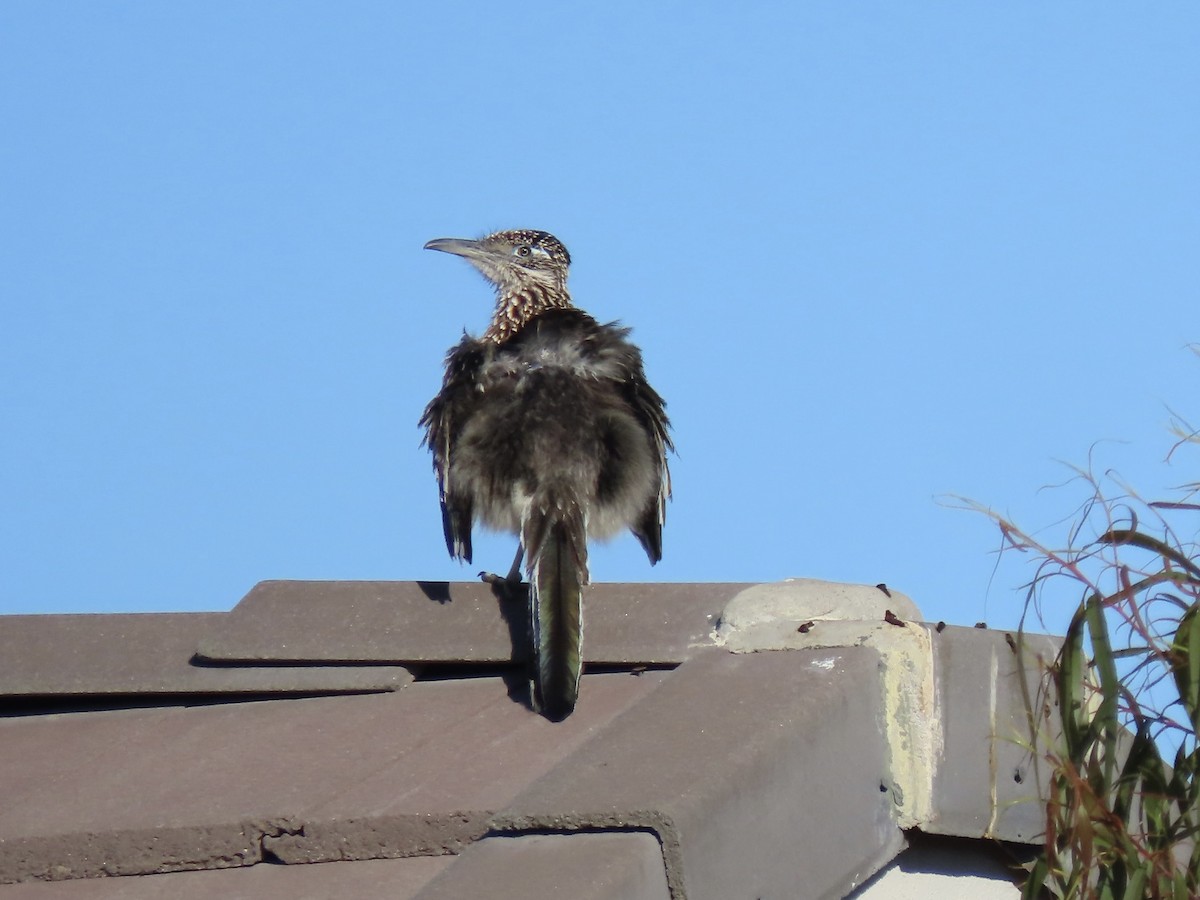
513, 260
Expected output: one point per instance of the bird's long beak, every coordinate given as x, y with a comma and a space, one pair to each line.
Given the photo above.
457, 246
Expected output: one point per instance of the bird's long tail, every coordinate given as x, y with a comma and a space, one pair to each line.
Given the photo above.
555, 538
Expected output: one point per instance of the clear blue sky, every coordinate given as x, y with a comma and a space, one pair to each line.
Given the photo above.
874, 254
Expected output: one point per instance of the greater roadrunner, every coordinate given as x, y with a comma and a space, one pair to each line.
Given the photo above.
546, 427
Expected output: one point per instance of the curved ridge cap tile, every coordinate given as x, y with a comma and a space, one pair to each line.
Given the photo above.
756, 617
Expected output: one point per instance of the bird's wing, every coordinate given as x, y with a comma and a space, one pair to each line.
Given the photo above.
443, 421
650, 410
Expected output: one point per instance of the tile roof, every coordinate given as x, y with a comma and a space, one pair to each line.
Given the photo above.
730, 740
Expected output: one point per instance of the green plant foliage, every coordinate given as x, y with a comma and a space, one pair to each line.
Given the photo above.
1121, 821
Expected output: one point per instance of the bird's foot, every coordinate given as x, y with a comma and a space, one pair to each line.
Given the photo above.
499, 580
509, 582
505, 587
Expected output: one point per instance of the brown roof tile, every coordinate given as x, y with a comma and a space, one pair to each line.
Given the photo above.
151, 654
395, 879
215, 781
709, 773
987, 776
421, 621
591, 866
724, 762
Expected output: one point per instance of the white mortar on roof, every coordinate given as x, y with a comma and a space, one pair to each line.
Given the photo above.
808, 614
809, 598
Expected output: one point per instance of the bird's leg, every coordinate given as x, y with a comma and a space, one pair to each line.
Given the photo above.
510, 593
514, 574
512, 579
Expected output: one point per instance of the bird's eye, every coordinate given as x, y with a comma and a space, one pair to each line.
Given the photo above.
523, 251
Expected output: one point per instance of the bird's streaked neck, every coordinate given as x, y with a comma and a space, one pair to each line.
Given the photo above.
517, 305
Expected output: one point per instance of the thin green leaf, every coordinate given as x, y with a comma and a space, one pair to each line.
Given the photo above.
1110, 688
1185, 650
1146, 542
1136, 888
